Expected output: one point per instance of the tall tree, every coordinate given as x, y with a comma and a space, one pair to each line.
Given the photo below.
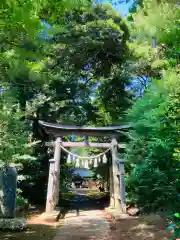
95, 48
153, 181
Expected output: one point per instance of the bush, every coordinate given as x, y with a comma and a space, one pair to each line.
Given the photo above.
13, 132
153, 180
67, 195
96, 195
21, 202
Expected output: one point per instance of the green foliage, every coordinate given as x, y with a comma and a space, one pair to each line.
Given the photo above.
175, 226
67, 195
112, 99
150, 24
13, 134
94, 48
155, 33
20, 200
153, 181
96, 37
153, 151
101, 173
96, 195
66, 175
153, 155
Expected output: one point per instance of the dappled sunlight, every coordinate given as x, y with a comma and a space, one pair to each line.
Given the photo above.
98, 225
43, 219
90, 225
140, 228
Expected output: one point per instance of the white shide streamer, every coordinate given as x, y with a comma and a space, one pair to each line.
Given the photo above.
69, 158
95, 162
104, 158
77, 163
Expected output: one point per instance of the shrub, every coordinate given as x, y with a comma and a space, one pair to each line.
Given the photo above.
21, 202
153, 181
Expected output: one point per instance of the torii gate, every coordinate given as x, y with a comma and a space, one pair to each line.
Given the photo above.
117, 184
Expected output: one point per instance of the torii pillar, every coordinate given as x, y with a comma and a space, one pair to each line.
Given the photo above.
118, 179
115, 170
54, 178
111, 186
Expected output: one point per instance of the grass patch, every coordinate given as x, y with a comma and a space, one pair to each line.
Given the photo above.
96, 195
67, 195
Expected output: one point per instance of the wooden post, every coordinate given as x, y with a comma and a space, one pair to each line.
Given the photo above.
53, 181
122, 186
57, 156
115, 170
111, 187
50, 205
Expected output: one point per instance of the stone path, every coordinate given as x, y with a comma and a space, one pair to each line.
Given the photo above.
90, 225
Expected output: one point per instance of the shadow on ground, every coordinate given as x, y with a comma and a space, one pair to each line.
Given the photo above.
38, 229
150, 227
88, 225
34, 232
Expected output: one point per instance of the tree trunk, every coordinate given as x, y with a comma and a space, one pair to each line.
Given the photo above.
8, 185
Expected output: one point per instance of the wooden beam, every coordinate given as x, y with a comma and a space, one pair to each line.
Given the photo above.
83, 133
85, 144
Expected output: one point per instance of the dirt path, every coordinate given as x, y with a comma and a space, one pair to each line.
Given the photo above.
90, 225
97, 225
150, 227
